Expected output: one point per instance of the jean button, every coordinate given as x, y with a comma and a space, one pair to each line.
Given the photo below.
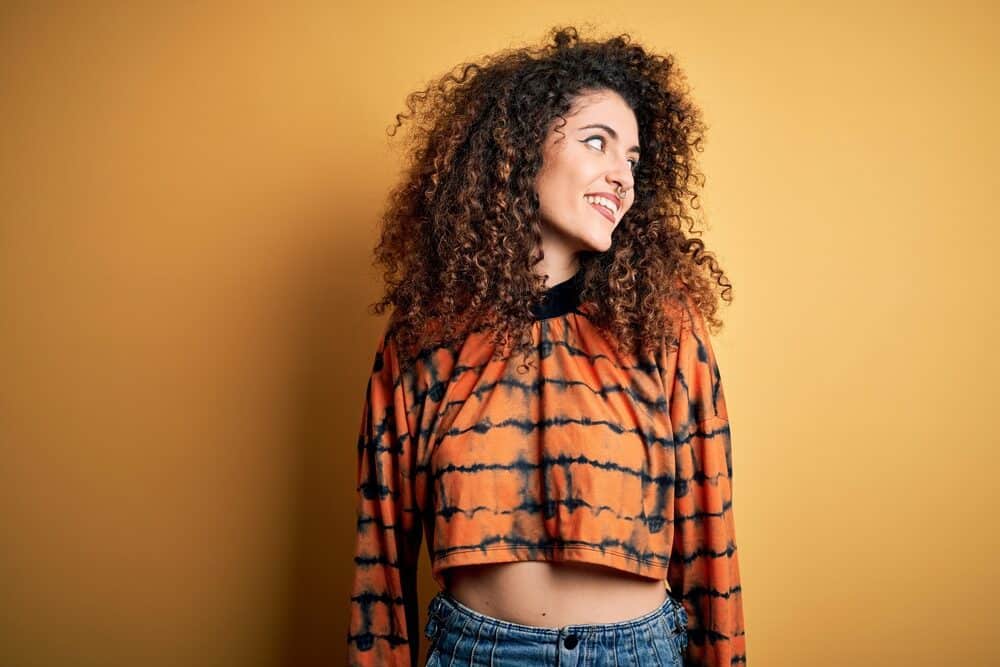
570, 641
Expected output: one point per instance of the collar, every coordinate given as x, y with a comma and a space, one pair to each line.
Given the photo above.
560, 298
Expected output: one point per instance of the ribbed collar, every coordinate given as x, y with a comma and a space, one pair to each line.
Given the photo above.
560, 298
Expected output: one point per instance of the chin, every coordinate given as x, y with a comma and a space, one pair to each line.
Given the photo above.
601, 238
599, 245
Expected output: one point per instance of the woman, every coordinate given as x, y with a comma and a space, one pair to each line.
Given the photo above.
545, 403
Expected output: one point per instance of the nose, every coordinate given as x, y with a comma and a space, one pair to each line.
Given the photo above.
622, 177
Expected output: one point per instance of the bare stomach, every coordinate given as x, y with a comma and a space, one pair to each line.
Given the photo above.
552, 594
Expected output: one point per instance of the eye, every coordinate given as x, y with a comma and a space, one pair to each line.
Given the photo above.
635, 163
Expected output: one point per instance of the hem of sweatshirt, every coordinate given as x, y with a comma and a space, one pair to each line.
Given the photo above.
577, 553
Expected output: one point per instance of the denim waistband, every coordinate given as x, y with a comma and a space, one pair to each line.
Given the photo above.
446, 611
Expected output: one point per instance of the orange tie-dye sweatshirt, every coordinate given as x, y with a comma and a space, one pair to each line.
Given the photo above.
589, 456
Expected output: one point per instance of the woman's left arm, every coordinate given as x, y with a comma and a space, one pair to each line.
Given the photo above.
704, 571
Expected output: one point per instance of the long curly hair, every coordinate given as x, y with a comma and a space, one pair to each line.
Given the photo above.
461, 231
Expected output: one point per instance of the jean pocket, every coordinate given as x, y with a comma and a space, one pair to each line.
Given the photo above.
433, 658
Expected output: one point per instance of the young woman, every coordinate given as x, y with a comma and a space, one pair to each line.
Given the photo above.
545, 404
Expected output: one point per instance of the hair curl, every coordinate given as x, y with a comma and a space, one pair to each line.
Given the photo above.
461, 231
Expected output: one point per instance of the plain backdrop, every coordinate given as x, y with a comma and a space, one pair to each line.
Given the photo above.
188, 200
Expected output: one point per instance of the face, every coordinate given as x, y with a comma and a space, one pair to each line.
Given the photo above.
579, 160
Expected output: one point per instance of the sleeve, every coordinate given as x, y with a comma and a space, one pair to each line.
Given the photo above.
384, 614
703, 572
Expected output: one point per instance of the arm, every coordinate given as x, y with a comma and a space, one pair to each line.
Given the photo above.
704, 570
384, 614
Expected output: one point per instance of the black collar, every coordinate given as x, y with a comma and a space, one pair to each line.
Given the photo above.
560, 298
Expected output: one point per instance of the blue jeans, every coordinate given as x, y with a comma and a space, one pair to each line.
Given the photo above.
460, 636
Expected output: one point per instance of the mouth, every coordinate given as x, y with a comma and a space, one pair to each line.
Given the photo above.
602, 211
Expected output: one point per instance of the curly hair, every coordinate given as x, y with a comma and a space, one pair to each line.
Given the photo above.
461, 231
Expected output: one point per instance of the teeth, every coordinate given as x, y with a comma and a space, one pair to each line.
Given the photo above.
603, 202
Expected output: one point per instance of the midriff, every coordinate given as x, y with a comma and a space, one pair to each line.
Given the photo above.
552, 594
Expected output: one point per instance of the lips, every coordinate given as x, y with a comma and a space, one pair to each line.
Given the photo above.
603, 211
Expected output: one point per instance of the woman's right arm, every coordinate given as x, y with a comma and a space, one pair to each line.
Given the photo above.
384, 614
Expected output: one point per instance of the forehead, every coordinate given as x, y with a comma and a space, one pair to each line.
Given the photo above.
606, 107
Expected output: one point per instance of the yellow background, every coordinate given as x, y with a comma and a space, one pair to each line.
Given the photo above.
188, 200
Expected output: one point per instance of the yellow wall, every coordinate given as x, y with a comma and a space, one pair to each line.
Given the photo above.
188, 203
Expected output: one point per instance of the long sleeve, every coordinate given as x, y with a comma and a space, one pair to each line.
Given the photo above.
703, 571
384, 616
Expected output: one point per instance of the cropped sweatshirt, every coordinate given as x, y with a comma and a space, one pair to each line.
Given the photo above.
590, 456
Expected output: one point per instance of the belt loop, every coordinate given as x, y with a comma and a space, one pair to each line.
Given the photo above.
431, 629
433, 618
680, 617
680, 621
444, 609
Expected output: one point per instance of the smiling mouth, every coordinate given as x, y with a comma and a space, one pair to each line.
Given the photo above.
603, 211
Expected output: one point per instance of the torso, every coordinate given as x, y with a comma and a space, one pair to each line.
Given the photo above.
553, 594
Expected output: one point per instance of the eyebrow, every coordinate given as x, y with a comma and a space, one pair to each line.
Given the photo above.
609, 130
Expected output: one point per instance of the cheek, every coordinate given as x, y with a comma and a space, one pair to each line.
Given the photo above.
569, 177
561, 192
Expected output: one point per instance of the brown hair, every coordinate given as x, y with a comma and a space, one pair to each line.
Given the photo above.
461, 231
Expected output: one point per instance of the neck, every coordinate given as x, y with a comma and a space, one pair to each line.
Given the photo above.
561, 296
557, 273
